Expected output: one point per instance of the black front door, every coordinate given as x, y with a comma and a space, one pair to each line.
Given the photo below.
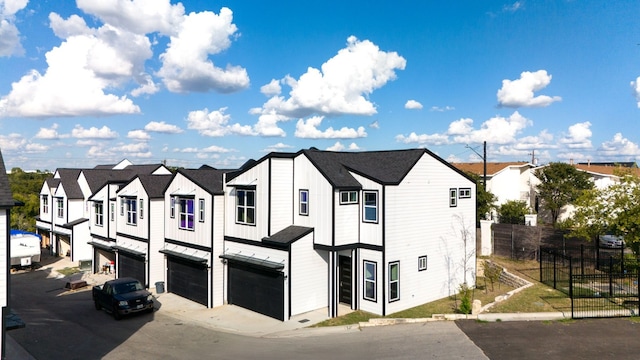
345, 279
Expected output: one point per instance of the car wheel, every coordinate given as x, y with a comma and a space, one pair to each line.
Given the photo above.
116, 315
97, 304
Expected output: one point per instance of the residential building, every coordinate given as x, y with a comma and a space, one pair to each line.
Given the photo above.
376, 231
6, 203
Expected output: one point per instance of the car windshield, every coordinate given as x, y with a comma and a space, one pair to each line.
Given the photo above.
127, 287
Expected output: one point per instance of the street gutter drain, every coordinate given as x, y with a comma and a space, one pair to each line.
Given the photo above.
303, 321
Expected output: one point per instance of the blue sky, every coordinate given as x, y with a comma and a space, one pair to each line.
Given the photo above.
91, 82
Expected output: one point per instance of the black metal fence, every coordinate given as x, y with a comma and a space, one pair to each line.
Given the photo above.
597, 287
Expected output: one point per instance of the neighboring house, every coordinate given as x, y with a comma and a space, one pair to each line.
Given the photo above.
6, 203
377, 231
194, 235
139, 219
508, 181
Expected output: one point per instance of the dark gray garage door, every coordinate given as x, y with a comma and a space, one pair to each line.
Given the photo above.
256, 289
131, 266
188, 279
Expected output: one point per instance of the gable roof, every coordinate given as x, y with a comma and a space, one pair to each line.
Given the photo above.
98, 177
155, 185
6, 197
492, 167
208, 178
606, 169
69, 180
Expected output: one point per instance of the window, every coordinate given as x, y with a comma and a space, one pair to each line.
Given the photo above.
348, 197
172, 211
370, 206
246, 206
99, 215
130, 204
369, 280
60, 205
453, 197
304, 202
422, 263
465, 193
113, 211
201, 210
45, 204
121, 206
186, 214
141, 209
394, 281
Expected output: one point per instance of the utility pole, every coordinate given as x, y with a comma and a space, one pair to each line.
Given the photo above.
484, 160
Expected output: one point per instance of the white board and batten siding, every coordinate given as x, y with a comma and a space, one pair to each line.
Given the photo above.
372, 306
309, 276
141, 228
201, 235
82, 250
320, 205
420, 222
156, 240
4, 261
217, 268
257, 176
100, 197
281, 193
371, 232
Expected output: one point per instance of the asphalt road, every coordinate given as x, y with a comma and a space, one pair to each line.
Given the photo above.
65, 325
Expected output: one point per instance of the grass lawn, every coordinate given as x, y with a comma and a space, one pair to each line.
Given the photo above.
69, 271
538, 298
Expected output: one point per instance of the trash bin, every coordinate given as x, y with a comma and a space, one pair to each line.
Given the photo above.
159, 287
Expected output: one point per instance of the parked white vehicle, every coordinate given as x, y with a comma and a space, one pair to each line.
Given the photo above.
611, 241
25, 248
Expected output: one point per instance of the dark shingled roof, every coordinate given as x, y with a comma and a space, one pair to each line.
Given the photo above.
386, 167
155, 185
98, 177
209, 179
6, 198
69, 180
287, 235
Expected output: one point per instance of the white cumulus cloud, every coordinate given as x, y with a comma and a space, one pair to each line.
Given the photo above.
215, 123
520, 92
104, 132
338, 146
578, 137
9, 33
162, 127
412, 105
309, 130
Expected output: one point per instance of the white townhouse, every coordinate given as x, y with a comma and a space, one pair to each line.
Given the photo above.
139, 218
379, 231
62, 219
194, 235
100, 186
6, 203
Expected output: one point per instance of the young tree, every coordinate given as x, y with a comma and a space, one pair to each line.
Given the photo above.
615, 209
513, 212
560, 185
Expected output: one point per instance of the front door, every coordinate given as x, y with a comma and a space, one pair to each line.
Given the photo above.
345, 279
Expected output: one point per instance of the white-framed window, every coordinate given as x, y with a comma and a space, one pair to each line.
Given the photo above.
304, 202
201, 210
422, 263
121, 206
45, 204
60, 207
348, 197
186, 213
453, 197
369, 280
464, 193
172, 210
132, 211
370, 206
394, 281
98, 207
246, 206
141, 209
113, 211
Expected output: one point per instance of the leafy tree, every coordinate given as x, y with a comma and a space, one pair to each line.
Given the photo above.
560, 185
485, 199
25, 188
614, 209
513, 212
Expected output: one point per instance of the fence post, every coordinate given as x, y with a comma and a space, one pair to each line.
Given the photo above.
582, 259
571, 284
610, 276
554, 271
540, 254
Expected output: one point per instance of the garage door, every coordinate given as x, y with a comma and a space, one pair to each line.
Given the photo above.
188, 279
258, 290
131, 266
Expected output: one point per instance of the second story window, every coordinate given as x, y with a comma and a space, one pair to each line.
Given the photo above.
370, 206
246, 206
113, 211
201, 210
304, 202
453, 197
99, 213
141, 208
348, 197
60, 205
45, 204
186, 213
132, 212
